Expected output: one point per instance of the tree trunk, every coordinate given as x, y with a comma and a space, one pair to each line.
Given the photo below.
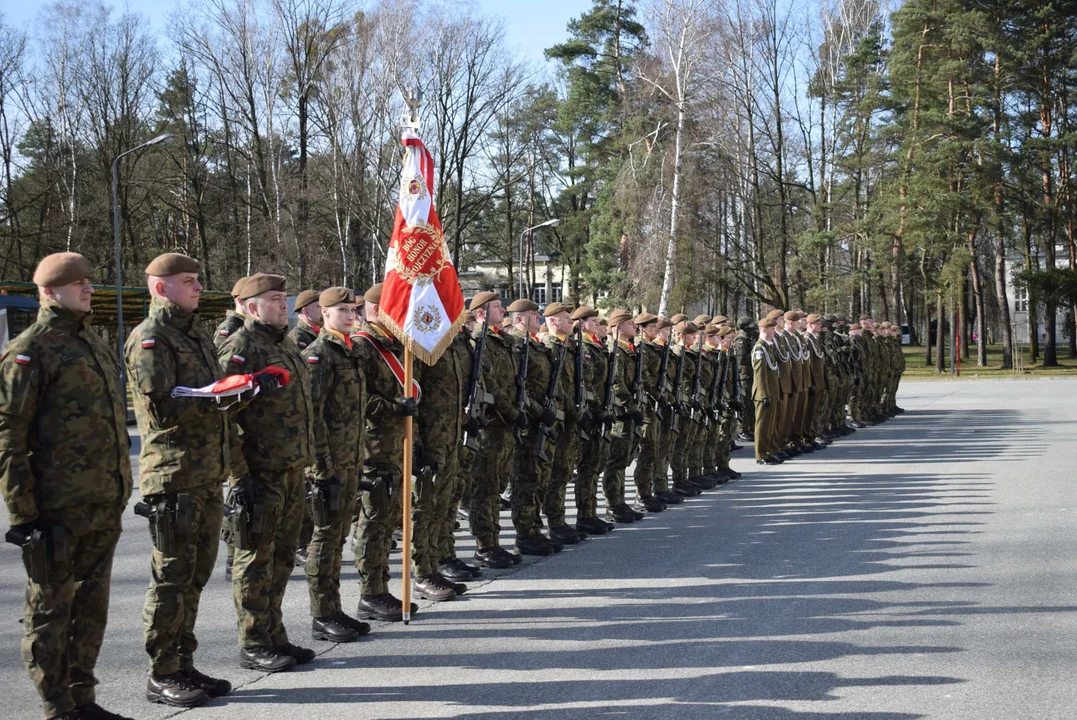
940, 333
671, 246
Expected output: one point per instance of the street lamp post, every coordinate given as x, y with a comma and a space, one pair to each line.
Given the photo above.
116, 232
551, 223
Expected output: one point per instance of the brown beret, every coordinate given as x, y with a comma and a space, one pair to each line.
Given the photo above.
855, 326
702, 320
686, 327
306, 298
261, 283
618, 316
814, 318
521, 305
792, 315
775, 314
373, 294
61, 269
583, 312
645, 318
719, 319
724, 330
678, 319
506, 322
237, 289
885, 324
710, 330
172, 264
555, 308
334, 296
664, 323
482, 298
768, 322
865, 316
603, 322
469, 317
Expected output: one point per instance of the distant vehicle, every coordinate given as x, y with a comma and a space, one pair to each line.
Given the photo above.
906, 339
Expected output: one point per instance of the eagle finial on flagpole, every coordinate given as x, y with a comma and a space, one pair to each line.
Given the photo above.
413, 97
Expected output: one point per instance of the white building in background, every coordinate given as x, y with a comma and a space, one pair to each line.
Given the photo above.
551, 280
1017, 297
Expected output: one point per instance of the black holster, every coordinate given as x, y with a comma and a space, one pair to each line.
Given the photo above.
45, 553
324, 501
248, 516
171, 517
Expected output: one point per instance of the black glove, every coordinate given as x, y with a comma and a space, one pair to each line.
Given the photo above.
737, 405
268, 382
521, 420
548, 416
856, 382
636, 417
407, 407
766, 403
25, 530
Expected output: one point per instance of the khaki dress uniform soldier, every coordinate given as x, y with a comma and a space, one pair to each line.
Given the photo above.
567, 451
183, 462
882, 372
627, 417
784, 401
654, 385
680, 457
65, 493
531, 469
381, 503
338, 399
802, 381
275, 444
858, 356
766, 389
820, 389
440, 435
866, 392
664, 418
233, 319
747, 334
305, 332
595, 449
492, 469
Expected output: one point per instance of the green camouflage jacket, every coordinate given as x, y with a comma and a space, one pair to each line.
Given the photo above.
338, 398
383, 446
277, 428
232, 321
539, 369
63, 423
595, 368
499, 375
441, 414
303, 335
185, 441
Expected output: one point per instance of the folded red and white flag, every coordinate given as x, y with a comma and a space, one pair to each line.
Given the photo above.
232, 385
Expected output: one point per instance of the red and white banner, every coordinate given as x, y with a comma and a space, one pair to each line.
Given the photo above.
421, 301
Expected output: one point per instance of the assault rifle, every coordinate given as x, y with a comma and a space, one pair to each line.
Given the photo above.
475, 410
521, 389
694, 405
549, 405
583, 395
607, 399
675, 423
632, 426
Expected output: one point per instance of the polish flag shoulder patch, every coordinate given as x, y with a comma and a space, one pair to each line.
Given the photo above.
22, 359
224, 333
149, 343
238, 359
313, 360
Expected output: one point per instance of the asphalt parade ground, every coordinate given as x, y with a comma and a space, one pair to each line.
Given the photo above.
923, 568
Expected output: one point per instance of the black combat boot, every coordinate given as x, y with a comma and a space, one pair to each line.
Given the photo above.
175, 690
93, 711
434, 587
456, 570
330, 629
496, 558
652, 504
534, 545
621, 514
360, 627
301, 655
565, 534
265, 659
216, 687
592, 526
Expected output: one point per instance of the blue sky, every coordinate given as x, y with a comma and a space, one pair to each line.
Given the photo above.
531, 25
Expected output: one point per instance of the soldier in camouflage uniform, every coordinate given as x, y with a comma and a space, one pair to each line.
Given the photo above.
654, 386
532, 470
567, 449
305, 332
595, 449
742, 354
680, 462
710, 437
627, 420
380, 505
338, 399
182, 464
66, 492
276, 443
437, 466
497, 448
729, 406
233, 320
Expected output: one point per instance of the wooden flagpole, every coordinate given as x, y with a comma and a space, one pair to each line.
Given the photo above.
405, 488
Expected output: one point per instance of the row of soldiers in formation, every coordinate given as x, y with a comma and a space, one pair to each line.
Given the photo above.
307, 426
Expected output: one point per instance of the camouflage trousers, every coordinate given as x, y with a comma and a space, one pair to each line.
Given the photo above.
260, 574
681, 460
306, 528
592, 460
176, 583
529, 486
445, 544
326, 548
660, 479
726, 431
64, 619
708, 444
490, 475
432, 512
380, 512
647, 463
564, 466
746, 423
623, 446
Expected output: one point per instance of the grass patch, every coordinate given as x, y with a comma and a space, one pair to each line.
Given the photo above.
915, 369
